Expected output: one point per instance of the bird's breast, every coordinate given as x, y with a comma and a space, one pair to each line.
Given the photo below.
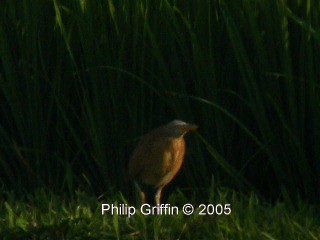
172, 160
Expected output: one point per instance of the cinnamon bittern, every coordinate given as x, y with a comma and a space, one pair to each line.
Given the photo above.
158, 157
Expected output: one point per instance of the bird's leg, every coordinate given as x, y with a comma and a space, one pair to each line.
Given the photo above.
158, 195
142, 197
142, 194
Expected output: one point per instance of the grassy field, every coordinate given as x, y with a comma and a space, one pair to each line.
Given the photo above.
82, 80
46, 216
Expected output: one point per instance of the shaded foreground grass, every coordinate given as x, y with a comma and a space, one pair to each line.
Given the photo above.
47, 216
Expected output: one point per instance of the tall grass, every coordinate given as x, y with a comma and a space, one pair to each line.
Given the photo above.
82, 81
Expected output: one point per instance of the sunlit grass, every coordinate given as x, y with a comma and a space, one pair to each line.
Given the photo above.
47, 216
82, 81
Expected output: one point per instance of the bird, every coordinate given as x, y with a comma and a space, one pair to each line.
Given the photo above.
158, 157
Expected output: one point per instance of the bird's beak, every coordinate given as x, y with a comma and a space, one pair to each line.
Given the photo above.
191, 127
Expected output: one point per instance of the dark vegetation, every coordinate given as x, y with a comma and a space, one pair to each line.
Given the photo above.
81, 81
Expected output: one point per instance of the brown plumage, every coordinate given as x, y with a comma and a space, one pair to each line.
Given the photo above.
159, 156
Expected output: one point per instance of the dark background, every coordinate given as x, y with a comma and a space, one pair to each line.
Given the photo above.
82, 81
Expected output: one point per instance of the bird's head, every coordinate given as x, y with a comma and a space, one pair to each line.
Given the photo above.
178, 128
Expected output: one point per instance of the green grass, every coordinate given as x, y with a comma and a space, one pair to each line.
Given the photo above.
46, 216
82, 80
